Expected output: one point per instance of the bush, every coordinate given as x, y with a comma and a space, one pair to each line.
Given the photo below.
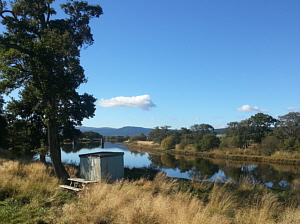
198, 147
136, 138
236, 142
226, 142
290, 144
183, 144
209, 141
168, 143
269, 145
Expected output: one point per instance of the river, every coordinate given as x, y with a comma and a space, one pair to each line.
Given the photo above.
190, 167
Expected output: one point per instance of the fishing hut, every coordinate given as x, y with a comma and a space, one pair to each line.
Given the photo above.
102, 166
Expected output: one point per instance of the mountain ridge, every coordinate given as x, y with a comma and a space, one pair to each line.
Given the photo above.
126, 131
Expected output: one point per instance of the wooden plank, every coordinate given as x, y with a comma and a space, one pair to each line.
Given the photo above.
81, 180
70, 187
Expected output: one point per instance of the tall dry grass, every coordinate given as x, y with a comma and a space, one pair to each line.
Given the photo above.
25, 179
137, 202
286, 155
30, 194
158, 201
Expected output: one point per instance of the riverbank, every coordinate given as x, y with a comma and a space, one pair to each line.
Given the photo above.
29, 193
284, 158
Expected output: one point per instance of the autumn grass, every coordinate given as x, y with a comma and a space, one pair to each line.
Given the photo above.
29, 193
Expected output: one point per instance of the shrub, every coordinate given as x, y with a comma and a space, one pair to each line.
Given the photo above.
269, 145
136, 138
183, 144
226, 142
198, 146
290, 144
209, 141
168, 143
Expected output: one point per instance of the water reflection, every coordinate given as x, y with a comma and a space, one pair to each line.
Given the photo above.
68, 148
277, 176
202, 169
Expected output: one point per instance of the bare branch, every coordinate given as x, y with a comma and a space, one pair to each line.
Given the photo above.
8, 11
48, 15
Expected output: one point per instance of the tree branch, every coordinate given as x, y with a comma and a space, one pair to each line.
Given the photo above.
48, 15
14, 46
8, 11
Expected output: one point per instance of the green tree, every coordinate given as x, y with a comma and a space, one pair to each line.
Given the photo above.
91, 135
141, 137
25, 120
260, 126
23, 138
289, 125
269, 145
209, 141
168, 143
202, 128
159, 134
290, 144
241, 133
40, 53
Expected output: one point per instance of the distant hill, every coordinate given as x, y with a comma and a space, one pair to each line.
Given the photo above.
125, 131
220, 131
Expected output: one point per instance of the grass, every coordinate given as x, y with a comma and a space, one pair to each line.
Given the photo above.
29, 193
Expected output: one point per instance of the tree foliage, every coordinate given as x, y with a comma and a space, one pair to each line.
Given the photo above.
91, 135
260, 126
158, 134
41, 54
209, 141
289, 125
241, 133
202, 128
168, 143
141, 137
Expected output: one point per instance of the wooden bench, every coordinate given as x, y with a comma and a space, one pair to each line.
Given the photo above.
81, 180
70, 188
77, 184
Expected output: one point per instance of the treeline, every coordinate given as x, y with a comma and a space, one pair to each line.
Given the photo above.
261, 131
24, 133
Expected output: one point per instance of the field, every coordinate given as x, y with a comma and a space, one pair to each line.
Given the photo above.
29, 193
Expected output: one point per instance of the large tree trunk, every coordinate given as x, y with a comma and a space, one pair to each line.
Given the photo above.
55, 152
43, 159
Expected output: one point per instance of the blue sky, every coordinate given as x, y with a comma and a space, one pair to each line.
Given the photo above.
186, 62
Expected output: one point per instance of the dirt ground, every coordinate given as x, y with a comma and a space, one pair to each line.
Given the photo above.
147, 143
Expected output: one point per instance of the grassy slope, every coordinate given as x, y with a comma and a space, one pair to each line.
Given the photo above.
29, 193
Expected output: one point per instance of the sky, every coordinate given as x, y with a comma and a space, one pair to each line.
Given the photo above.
185, 62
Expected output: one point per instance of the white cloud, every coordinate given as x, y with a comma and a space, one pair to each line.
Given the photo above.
293, 108
196, 119
143, 102
248, 108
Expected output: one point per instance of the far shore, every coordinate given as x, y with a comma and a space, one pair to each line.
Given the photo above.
226, 154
